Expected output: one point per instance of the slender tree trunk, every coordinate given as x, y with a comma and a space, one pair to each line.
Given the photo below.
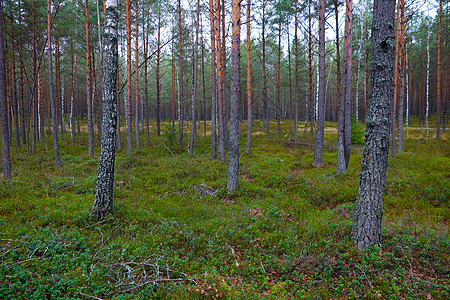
296, 75
180, 74
146, 112
158, 78
344, 126
310, 74
88, 83
265, 98
213, 83
136, 71
221, 87
50, 87
34, 88
128, 120
279, 81
6, 157
233, 160
401, 93
14, 101
427, 83
318, 148
103, 203
290, 80
249, 84
397, 48
439, 67
204, 84
72, 98
194, 84
367, 218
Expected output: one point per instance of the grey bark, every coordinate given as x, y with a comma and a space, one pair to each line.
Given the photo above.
194, 84
213, 84
6, 158
103, 203
367, 219
180, 74
233, 143
318, 148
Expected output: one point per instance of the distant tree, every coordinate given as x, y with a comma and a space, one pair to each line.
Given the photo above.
213, 82
88, 82
129, 130
367, 219
136, 71
439, 75
180, 74
6, 158
249, 84
194, 83
105, 180
233, 159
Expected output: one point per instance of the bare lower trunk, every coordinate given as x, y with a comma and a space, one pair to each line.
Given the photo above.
213, 83
249, 85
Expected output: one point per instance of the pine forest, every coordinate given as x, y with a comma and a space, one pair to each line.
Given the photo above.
224, 149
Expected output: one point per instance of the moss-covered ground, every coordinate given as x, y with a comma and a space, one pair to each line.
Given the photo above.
178, 234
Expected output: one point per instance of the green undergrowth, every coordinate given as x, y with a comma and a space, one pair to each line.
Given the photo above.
177, 233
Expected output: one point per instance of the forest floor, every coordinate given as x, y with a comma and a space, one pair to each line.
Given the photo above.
178, 234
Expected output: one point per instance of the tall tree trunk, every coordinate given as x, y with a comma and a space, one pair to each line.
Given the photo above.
194, 84
158, 83
14, 101
344, 126
249, 84
136, 71
439, 67
397, 48
279, 81
401, 93
318, 148
128, 120
50, 87
103, 203
427, 94
310, 74
34, 88
233, 160
265, 98
6, 157
213, 83
72, 98
221, 87
367, 218
146, 108
180, 74
290, 79
296, 75
88, 83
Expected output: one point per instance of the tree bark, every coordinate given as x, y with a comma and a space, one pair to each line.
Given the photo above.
318, 149
180, 74
248, 149
14, 101
233, 159
128, 120
402, 67
296, 75
344, 126
265, 98
136, 82
213, 83
6, 157
194, 84
439, 76
397, 48
367, 218
221, 86
50, 87
103, 203
158, 77
88, 83
279, 81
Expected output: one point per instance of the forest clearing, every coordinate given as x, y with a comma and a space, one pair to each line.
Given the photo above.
177, 234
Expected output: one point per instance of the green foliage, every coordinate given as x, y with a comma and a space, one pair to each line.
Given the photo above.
285, 233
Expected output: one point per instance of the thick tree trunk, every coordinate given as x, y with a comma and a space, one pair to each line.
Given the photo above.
6, 157
88, 84
318, 149
367, 219
213, 83
248, 149
233, 160
50, 87
103, 203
